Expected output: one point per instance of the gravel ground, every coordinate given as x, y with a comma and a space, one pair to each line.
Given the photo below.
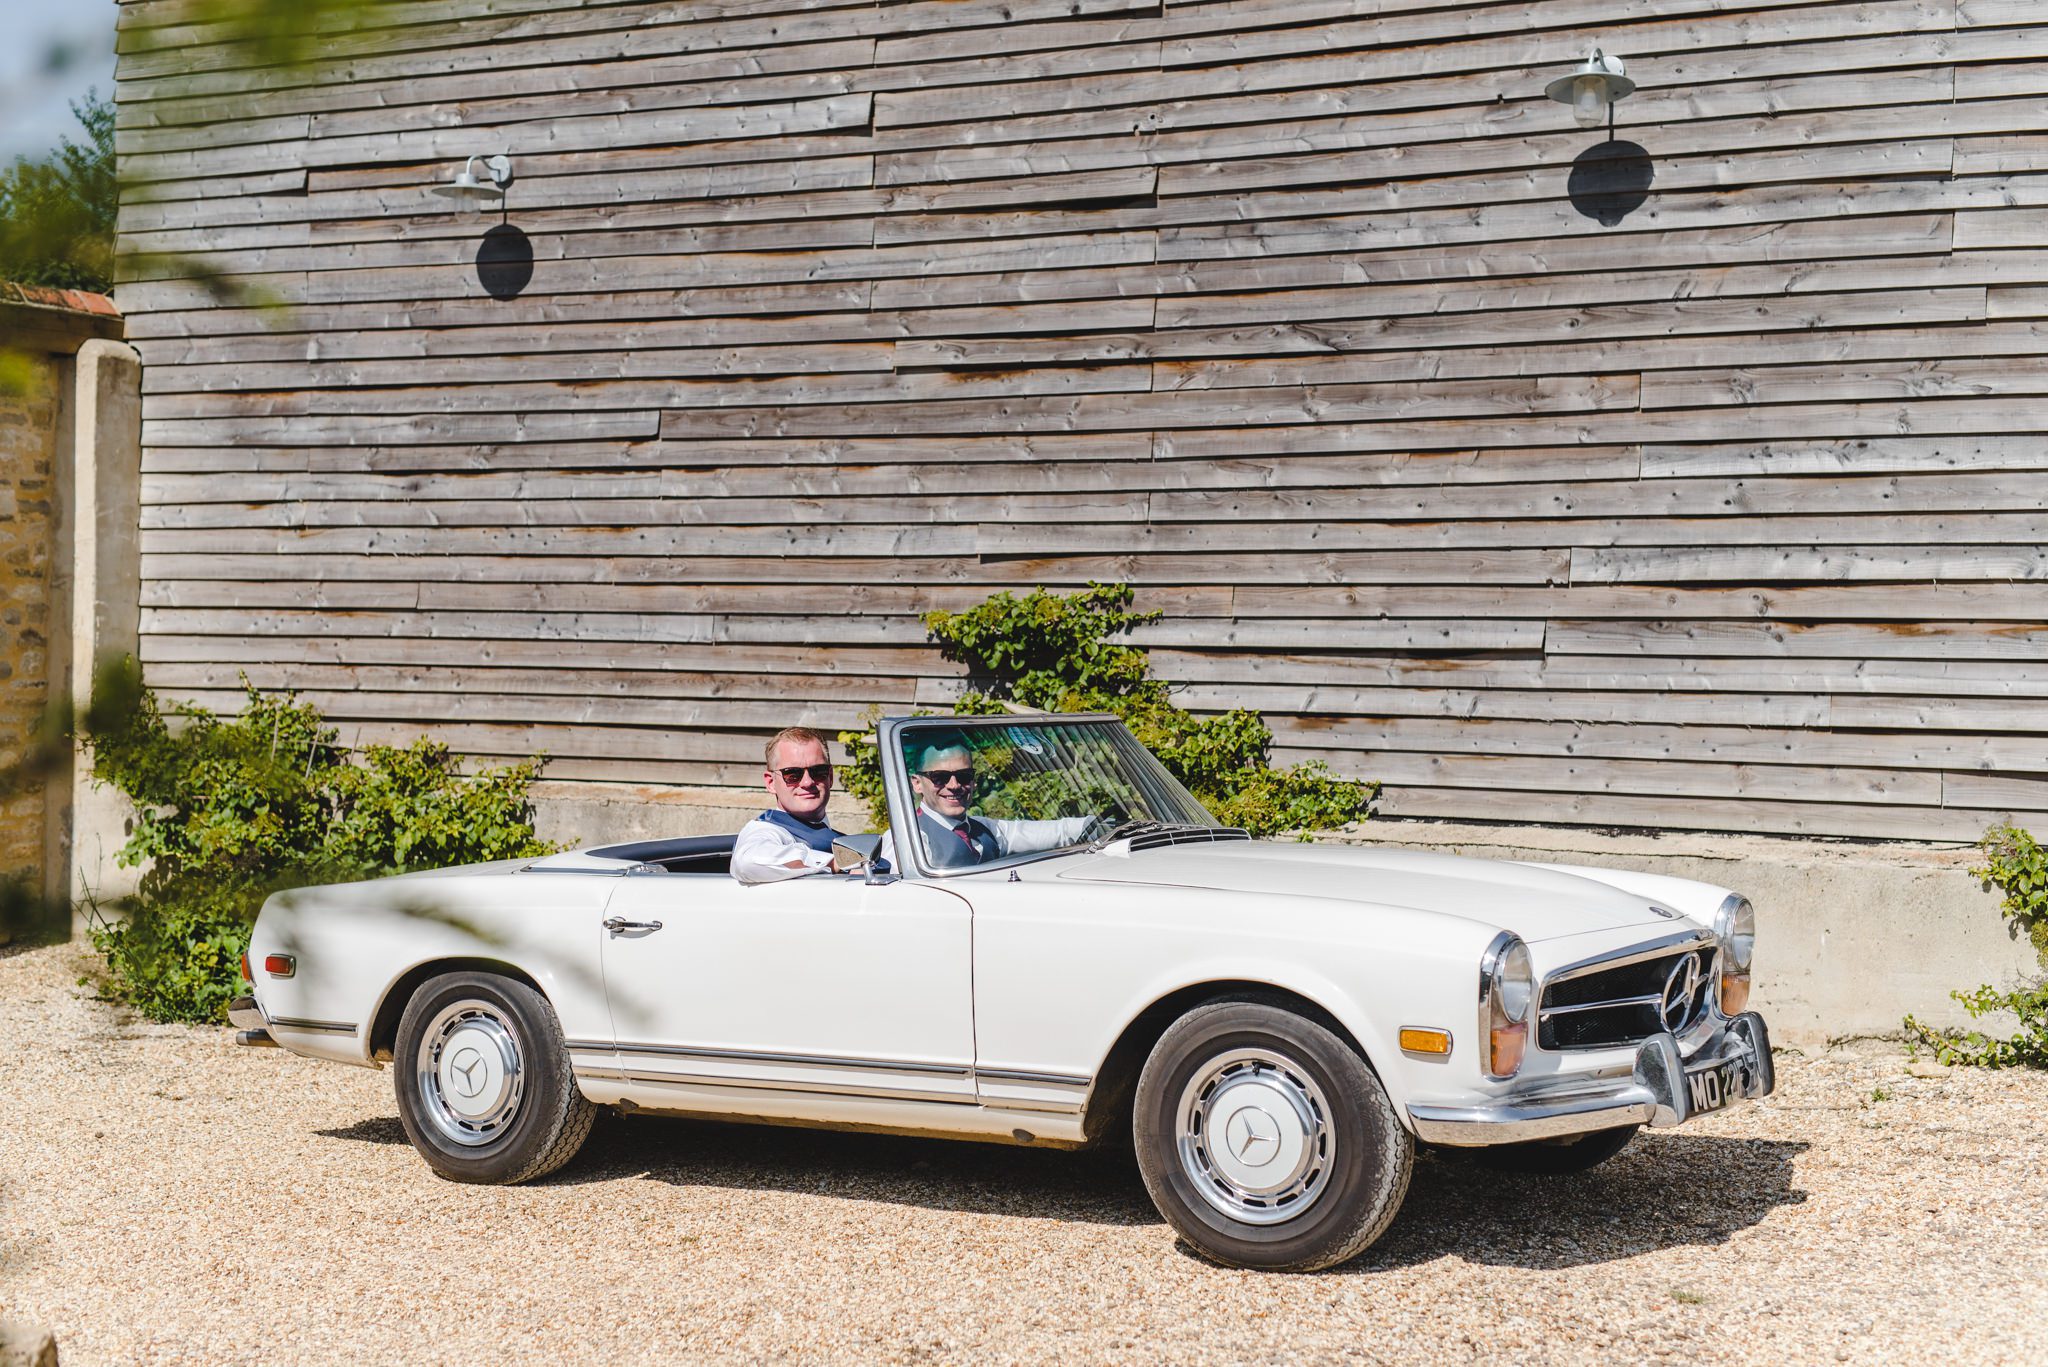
166, 1197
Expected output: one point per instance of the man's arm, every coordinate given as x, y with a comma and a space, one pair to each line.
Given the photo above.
765, 853
1028, 837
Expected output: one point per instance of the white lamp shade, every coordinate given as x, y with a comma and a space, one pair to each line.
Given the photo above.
1590, 89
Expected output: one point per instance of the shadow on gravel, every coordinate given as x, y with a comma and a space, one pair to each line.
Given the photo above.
385, 1129
1662, 1191
1100, 1188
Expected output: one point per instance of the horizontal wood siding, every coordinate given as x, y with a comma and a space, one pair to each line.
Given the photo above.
1718, 506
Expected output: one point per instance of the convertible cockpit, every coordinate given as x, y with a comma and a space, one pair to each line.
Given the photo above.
680, 854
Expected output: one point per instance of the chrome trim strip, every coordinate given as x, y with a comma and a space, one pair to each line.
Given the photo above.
1024, 1075
756, 1084
597, 1046
1607, 1005
797, 1060
315, 1027
1693, 939
1043, 1106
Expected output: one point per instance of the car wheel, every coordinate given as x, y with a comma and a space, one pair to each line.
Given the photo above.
1555, 1156
1266, 1141
484, 1087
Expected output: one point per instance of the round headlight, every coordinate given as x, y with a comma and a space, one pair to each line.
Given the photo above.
1735, 928
1513, 983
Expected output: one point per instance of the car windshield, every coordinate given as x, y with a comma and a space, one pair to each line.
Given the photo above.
990, 792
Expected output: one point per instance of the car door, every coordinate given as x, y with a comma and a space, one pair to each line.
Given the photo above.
824, 988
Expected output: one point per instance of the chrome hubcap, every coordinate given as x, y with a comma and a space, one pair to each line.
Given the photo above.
470, 1078
1253, 1130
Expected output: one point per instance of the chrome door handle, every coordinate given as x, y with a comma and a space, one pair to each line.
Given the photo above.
618, 925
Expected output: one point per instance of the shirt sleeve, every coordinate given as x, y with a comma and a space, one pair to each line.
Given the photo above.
1028, 837
763, 852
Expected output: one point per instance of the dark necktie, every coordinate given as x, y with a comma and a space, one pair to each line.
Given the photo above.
968, 841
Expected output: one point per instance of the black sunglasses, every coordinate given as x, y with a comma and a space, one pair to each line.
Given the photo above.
939, 778
819, 772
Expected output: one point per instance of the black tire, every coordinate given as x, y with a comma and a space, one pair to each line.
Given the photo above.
1351, 1168
527, 1119
1555, 1157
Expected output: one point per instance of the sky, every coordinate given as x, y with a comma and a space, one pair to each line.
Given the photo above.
35, 101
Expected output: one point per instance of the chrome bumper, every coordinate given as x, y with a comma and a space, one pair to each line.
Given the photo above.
1662, 1090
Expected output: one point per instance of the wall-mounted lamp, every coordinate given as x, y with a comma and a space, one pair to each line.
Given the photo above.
1592, 89
474, 193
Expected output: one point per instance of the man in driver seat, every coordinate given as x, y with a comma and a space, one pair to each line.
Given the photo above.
943, 778
795, 839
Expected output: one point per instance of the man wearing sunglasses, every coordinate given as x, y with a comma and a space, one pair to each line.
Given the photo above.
795, 839
943, 777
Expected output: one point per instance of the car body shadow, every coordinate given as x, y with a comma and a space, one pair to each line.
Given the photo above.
1663, 1191
1097, 1187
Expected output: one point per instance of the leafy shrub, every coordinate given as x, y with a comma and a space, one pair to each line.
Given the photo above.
2016, 865
1053, 653
230, 810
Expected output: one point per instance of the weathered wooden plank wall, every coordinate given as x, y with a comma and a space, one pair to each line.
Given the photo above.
1720, 510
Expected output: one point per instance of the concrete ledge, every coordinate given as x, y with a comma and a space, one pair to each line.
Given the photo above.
610, 813
1850, 936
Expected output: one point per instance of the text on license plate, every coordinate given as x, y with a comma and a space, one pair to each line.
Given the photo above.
1714, 1087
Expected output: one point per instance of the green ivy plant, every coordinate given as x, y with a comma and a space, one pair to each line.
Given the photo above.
1053, 652
2017, 866
231, 809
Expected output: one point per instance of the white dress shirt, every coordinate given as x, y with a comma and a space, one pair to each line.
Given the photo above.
764, 851
1020, 837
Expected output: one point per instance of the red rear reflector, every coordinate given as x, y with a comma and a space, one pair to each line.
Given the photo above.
280, 965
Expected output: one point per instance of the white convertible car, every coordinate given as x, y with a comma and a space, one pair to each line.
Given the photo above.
1275, 1026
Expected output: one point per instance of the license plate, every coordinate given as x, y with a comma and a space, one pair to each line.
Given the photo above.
1714, 1086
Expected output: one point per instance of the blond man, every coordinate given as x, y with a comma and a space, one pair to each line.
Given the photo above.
794, 838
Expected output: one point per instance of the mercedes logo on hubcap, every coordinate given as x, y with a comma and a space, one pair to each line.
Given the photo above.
1679, 987
469, 1073
1253, 1136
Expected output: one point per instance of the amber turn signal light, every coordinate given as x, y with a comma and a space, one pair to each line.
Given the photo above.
1425, 1041
1509, 1044
280, 965
1734, 993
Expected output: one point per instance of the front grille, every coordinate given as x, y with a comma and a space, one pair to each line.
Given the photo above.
1608, 1007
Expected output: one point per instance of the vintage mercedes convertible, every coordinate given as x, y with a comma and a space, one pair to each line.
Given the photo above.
1274, 1026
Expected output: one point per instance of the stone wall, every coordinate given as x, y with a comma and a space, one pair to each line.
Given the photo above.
28, 459
58, 399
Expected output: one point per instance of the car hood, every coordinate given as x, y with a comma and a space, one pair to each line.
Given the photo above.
1534, 903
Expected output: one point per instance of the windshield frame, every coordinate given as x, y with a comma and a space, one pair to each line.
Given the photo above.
896, 785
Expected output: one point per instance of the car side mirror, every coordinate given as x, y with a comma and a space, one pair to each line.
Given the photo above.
857, 854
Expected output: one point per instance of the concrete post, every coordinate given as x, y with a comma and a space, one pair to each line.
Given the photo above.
103, 528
